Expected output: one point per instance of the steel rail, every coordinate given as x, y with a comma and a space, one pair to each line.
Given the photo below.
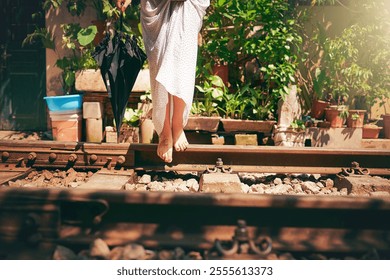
195, 158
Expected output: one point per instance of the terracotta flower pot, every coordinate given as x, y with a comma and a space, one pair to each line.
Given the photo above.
198, 123
332, 115
222, 70
371, 131
318, 109
101, 27
355, 123
386, 125
236, 125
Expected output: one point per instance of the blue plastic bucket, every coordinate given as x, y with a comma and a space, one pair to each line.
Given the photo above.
64, 102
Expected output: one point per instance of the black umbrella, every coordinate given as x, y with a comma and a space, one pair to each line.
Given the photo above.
120, 59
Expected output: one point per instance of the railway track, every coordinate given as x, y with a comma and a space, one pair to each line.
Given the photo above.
49, 154
33, 221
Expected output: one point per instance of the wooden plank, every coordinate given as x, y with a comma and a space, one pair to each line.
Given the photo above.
13, 173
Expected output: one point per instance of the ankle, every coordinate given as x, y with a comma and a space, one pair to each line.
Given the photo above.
177, 124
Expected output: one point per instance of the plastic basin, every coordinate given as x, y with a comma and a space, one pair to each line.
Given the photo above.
64, 102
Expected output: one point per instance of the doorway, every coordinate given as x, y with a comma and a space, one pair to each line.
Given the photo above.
22, 68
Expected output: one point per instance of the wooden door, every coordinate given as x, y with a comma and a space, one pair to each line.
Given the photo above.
22, 69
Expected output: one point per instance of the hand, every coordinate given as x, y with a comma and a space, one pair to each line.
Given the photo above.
122, 4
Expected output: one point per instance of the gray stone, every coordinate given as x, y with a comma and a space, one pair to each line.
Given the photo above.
310, 187
145, 179
116, 253
329, 183
287, 181
258, 188
63, 253
133, 252
181, 187
178, 181
278, 181
47, 174
17, 183
193, 185
325, 191
297, 188
279, 189
99, 249
156, 186
169, 186
295, 181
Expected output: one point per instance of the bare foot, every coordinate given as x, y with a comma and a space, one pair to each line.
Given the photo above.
179, 139
164, 148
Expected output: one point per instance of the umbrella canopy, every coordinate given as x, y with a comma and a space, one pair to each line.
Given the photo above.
120, 59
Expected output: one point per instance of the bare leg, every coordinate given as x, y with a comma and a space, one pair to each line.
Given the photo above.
164, 149
180, 142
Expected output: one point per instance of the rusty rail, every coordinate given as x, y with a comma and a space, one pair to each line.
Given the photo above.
42, 218
49, 154
168, 220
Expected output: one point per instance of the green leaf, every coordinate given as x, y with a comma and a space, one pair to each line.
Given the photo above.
86, 35
217, 81
217, 93
69, 78
200, 88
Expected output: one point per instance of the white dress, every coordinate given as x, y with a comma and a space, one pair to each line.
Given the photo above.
170, 33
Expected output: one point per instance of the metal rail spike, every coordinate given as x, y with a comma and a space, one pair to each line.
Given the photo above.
241, 241
219, 168
355, 170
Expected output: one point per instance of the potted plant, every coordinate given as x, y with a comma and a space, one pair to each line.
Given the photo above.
386, 125
336, 115
129, 131
204, 111
242, 111
320, 102
357, 61
371, 131
355, 118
